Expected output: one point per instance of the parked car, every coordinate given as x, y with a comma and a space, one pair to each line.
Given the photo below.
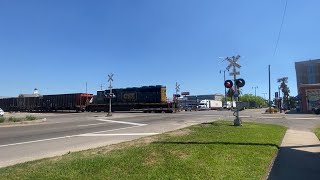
1, 112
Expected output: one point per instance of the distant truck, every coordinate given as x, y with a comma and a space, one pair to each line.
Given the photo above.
207, 104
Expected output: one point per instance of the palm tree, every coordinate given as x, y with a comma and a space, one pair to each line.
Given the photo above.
285, 89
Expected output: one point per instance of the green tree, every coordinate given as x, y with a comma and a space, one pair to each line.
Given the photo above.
260, 101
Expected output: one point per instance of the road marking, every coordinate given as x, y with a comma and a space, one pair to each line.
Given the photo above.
131, 134
264, 117
302, 118
63, 137
122, 122
90, 124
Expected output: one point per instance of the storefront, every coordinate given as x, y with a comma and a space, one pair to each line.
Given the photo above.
310, 97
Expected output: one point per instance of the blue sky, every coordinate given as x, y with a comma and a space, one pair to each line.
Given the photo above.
59, 45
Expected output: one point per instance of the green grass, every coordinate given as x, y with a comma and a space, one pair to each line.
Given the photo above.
208, 151
317, 132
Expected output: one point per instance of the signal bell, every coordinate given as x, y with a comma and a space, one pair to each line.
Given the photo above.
228, 84
240, 82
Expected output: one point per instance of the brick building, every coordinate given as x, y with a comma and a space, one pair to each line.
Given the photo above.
308, 83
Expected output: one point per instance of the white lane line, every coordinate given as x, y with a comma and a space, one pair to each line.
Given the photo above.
63, 137
303, 118
122, 122
270, 117
131, 134
90, 124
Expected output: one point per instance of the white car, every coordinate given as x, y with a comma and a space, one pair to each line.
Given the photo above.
1, 112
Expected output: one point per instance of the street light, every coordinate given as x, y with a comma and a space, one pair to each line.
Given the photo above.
264, 95
255, 90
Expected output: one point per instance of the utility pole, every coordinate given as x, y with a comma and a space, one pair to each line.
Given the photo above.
269, 103
255, 90
110, 95
101, 87
176, 96
233, 63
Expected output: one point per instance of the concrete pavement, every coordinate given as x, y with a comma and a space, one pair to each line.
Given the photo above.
298, 157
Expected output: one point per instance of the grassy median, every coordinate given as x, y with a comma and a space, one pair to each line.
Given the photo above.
317, 132
207, 151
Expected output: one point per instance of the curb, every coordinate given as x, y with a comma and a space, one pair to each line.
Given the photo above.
23, 123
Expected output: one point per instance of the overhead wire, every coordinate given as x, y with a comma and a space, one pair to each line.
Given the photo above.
283, 16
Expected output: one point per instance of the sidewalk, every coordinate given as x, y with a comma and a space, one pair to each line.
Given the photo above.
298, 158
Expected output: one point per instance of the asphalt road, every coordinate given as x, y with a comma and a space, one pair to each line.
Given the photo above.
62, 133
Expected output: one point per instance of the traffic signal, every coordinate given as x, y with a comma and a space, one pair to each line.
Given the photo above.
228, 84
240, 83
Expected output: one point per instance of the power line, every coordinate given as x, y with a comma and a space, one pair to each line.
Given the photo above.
284, 14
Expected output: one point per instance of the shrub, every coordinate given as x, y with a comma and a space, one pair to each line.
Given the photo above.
30, 118
273, 110
13, 119
2, 119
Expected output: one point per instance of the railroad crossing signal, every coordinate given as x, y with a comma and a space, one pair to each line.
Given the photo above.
233, 62
240, 82
228, 84
110, 76
177, 87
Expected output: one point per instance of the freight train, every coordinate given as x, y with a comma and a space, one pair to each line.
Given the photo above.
146, 99
46, 103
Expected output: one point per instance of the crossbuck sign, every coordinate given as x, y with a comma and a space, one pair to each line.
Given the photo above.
233, 63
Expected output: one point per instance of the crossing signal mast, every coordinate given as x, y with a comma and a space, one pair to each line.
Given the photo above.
110, 95
238, 83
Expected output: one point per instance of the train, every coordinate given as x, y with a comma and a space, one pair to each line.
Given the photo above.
46, 103
147, 99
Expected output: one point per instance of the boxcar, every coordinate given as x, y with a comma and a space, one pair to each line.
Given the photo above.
77, 102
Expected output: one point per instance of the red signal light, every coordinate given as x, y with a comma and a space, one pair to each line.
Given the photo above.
228, 84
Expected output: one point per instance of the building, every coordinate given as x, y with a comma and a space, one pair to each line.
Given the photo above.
310, 97
308, 72
308, 84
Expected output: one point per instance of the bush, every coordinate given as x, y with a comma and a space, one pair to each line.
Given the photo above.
273, 110
13, 119
2, 119
30, 118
